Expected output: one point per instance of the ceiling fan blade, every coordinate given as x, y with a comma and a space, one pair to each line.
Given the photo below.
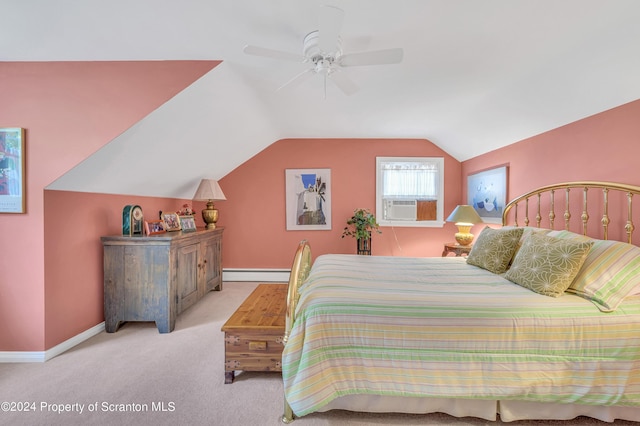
272, 53
298, 79
343, 82
329, 26
373, 57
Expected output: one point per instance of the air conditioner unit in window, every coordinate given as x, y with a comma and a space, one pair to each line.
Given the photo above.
401, 209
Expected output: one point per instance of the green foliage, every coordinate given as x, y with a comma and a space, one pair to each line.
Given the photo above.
361, 224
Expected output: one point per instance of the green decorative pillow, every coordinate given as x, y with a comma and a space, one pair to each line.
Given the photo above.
494, 249
527, 230
610, 272
548, 265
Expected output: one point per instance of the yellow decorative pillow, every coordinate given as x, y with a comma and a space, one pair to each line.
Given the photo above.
494, 249
568, 235
610, 272
548, 265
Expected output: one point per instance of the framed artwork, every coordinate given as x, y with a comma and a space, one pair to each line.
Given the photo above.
154, 227
12, 161
487, 193
187, 223
308, 199
172, 221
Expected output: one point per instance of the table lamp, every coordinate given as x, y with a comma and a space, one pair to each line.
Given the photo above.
209, 190
465, 217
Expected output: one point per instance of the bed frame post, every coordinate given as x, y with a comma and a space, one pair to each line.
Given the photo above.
299, 273
585, 212
552, 209
567, 213
605, 215
629, 227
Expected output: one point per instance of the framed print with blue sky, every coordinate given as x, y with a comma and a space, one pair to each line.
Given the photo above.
308, 199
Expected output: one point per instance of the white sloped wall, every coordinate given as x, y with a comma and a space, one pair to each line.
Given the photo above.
205, 131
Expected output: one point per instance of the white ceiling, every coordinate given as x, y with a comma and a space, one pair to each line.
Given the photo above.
477, 74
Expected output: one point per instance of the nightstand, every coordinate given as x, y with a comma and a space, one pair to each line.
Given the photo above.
455, 248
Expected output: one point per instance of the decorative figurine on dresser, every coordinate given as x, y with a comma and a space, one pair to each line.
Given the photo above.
156, 277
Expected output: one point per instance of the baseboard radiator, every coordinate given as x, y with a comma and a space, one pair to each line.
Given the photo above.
257, 275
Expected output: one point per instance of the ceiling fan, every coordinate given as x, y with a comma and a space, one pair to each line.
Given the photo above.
322, 49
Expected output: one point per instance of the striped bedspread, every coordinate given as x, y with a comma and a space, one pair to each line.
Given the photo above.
437, 327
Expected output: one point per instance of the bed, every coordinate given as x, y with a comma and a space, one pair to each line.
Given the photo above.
503, 333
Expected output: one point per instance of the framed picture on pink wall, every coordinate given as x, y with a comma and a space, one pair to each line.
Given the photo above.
12, 190
487, 193
308, 199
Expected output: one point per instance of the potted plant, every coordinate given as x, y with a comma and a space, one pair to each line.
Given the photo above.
360, 226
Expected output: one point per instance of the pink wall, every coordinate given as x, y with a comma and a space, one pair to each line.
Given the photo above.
51, 263
254, 213
69, 110
605, 147
74, 223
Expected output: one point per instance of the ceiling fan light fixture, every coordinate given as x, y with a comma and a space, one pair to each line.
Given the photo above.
323, 65
311, 46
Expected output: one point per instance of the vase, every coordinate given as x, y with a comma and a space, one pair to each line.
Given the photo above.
364, 246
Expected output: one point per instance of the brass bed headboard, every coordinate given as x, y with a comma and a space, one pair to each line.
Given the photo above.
299, 272
624, 200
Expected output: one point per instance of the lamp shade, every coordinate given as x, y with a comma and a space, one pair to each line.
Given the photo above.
209, 190
464, 214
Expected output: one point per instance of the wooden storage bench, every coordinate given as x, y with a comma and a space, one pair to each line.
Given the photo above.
253, 334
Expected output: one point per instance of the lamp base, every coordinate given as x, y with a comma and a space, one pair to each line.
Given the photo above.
464, 239
210, 216
463, 236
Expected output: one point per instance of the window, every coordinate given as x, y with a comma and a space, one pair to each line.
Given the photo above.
410, 191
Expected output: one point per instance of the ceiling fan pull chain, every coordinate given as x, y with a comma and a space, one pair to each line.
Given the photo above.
325, 86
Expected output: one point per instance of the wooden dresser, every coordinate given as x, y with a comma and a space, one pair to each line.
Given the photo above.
253, 334
155, 278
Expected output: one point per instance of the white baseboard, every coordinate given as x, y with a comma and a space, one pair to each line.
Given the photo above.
42, 356
262, 275
228, 275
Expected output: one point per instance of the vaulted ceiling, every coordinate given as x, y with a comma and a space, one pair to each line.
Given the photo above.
476, 75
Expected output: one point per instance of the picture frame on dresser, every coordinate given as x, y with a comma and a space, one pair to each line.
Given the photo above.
187, 223
171, 221
154, 227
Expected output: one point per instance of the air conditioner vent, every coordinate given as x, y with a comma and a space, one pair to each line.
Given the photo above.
401, 209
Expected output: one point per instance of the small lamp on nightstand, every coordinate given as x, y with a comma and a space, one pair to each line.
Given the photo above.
209, 190
465, 217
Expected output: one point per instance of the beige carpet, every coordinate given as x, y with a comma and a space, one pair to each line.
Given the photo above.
181, 373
